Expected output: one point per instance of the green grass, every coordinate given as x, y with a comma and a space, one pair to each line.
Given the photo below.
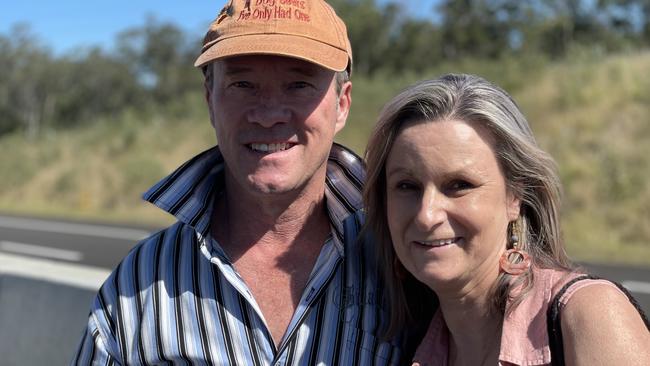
592, 116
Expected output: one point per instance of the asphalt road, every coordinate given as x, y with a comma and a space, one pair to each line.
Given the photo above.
54, 268
103, 246
88, 244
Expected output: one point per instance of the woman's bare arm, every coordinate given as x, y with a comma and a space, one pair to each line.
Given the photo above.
601, 327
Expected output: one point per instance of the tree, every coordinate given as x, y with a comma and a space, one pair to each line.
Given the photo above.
474, 28
162, 56
416, 47
369, 30
91, 85
24, 87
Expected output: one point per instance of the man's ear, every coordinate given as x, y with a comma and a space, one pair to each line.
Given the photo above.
208, 99
343, 107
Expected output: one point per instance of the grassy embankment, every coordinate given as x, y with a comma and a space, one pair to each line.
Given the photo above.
593, 116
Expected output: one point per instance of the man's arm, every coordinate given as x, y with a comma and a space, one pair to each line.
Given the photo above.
92, 349
98, 345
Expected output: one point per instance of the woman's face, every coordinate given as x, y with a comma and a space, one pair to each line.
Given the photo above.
447, 202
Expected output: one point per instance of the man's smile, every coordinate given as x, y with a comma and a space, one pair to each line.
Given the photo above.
270, 148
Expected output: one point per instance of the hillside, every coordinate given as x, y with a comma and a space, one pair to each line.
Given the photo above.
593, 116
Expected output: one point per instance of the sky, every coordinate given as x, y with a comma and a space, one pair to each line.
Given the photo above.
68, 24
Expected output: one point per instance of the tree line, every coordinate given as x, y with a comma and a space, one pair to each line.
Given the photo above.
150, 66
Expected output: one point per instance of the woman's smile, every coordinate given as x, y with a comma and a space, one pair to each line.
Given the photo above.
447, 203
436, 243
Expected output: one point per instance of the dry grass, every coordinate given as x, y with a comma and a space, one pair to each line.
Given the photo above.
592, 116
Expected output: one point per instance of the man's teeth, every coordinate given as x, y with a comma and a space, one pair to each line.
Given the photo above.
438, 243
270, 147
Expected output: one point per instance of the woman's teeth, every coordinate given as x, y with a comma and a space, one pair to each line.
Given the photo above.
438, 243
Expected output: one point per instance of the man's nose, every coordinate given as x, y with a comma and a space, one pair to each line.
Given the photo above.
432, 209
269, 109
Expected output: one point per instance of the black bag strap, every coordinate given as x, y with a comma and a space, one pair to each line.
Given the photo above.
553, 318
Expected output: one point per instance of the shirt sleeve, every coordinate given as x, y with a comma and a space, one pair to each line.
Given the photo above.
564, 299
92, 349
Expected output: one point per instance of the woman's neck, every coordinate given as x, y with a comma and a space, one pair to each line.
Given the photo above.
474, 328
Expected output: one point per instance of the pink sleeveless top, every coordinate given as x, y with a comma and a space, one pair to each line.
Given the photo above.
524, 337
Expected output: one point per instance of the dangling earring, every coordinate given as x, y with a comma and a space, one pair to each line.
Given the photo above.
514, 261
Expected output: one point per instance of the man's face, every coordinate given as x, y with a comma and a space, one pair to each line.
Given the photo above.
275, 119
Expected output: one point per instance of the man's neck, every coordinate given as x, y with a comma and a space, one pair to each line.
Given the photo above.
273, 247
241, 220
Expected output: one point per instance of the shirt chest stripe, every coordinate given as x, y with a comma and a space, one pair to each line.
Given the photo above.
118, 313
178, 306
250, 336
318, 329
205, 343
156, 297
223, 322
138, 301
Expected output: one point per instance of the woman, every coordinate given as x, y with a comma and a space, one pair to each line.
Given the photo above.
460, 196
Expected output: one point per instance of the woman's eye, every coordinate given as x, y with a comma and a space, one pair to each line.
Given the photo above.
405, 186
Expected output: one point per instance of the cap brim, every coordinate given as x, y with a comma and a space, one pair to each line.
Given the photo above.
287, 45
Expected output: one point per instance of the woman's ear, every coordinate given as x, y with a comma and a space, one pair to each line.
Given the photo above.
513, 205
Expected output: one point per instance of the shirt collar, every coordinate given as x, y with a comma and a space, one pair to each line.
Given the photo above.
434, 347
524, 337
188, 193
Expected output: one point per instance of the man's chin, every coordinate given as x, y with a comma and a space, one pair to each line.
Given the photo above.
270, 187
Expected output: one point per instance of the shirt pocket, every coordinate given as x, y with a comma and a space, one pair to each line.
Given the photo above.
364, 348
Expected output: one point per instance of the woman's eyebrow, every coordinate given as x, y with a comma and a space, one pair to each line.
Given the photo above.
398, 170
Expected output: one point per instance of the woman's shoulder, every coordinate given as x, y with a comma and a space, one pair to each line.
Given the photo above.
588, 298
566, 283
584, 298
600, 323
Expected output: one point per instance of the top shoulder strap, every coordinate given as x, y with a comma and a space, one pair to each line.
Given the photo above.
553, 318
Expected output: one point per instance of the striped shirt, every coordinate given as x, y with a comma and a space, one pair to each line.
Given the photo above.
176, 298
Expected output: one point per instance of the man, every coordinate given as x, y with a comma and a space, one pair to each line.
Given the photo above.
263, 266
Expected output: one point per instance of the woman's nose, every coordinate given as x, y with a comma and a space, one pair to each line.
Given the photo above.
431, 211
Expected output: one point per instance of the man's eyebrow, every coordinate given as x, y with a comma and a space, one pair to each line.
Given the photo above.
235, 70
305, 71
231, 70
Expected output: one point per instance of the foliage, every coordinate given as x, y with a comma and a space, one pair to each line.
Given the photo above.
84, 133
590, 115
151, 64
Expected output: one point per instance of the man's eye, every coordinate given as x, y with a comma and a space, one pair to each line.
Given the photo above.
299, 85
242, 84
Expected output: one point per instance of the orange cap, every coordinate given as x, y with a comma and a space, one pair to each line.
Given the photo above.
305, 29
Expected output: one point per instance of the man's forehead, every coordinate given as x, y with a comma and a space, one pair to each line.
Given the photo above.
240, 64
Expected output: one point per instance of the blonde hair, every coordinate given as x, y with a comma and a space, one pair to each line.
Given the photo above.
530, 174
